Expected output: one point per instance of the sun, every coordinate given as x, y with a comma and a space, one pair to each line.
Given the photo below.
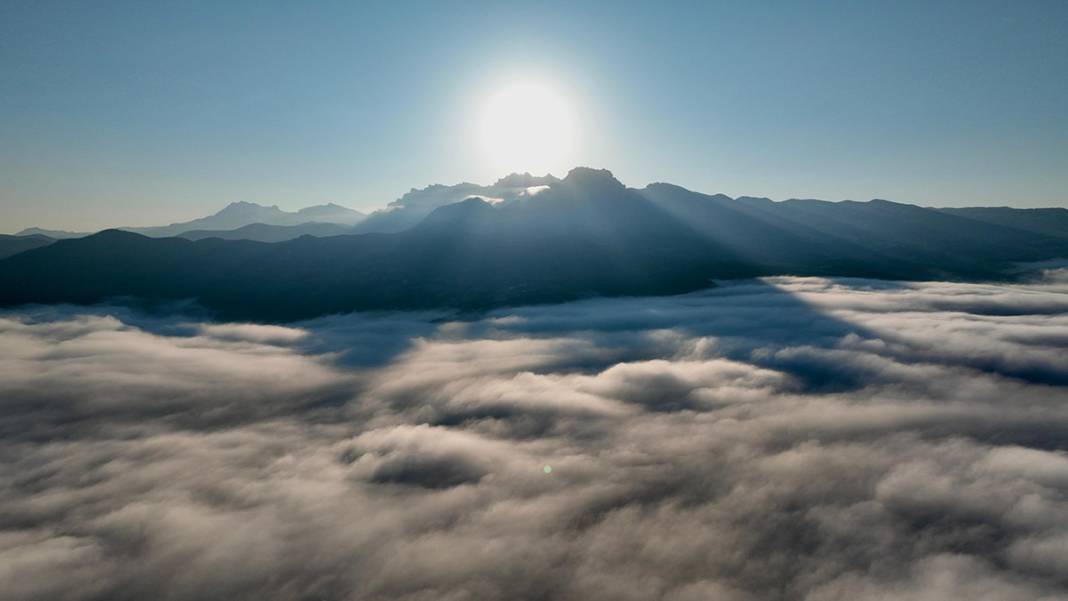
527, 127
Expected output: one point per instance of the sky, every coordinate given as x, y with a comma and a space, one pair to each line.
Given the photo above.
116, 113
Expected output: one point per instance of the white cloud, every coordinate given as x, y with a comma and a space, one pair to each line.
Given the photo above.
795, 438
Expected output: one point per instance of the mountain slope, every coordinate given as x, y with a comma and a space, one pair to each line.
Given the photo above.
114, 263
13, 245
943, 245
1049, 222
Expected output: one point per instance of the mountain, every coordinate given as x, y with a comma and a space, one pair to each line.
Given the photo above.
13, 245
1049, 222
115, 263
270, 233
413, 207
585, 235
53, 234
877, 238
240, 214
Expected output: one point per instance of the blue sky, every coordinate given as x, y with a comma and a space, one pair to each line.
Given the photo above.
115, 113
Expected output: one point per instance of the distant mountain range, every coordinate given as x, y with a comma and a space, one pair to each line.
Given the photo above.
53, 234
251, 221
528, 239
271, 233
234, 216
240, 214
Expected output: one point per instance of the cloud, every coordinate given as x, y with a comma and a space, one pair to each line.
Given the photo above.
790, 438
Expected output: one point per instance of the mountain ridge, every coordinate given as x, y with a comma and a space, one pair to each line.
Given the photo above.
13, 245
417, 203
240, 214
584, 235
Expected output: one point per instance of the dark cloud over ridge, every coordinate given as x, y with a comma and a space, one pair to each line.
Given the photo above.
791, 438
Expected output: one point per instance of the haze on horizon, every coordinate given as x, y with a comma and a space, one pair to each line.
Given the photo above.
131, 114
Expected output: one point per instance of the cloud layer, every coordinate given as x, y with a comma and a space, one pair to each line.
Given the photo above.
791, 438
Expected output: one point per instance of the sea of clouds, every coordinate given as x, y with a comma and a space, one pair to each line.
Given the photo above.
789, 438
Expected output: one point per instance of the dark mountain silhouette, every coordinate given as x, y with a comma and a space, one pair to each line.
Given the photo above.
262, 232
1049, 222
13, 245
877, 238
585, 235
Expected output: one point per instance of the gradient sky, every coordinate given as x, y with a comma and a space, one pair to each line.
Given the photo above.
142, 113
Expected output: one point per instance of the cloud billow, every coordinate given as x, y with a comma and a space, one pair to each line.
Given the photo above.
789, 438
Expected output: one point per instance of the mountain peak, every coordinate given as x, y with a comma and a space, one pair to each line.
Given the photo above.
590, 177
114, 234
452, 214
524, 180
242, 207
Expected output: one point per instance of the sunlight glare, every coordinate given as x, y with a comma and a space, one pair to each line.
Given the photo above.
527, 128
